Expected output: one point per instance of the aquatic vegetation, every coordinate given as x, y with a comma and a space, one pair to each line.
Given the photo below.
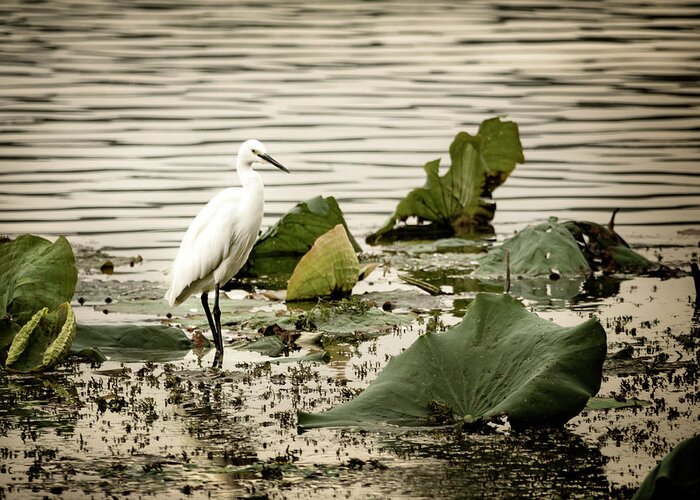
329, 269
500, 360
605, 250
34, 273
43, 341
572, 249
676, 476
129, 342
281, 246
458, 203
36, 276
536, 251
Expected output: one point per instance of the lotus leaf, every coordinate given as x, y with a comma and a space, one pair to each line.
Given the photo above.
35, 273
278, 249
501, 359
571, 249
133, 342
268, 346
455, 202
614, 404
329, 269
676, 476
43, 341
536, 251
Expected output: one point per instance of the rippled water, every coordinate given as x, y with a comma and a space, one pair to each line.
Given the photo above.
119, 119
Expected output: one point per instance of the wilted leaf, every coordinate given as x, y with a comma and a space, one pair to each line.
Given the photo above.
43, 341
500, 359
329, 269
278, 249
454, 202
35, 273
604, 249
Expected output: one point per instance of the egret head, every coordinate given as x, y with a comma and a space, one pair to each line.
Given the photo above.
252, 151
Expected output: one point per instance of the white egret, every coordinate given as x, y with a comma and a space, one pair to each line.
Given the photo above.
220, 238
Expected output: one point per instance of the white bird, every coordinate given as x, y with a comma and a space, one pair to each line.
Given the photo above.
220, 238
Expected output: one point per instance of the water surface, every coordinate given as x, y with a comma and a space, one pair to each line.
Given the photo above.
119, 119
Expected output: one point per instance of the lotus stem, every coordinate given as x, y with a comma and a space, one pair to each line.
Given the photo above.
507, 264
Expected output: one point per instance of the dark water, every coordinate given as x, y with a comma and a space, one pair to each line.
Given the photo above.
119, 119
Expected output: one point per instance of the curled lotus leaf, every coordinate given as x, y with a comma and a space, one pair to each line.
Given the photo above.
43, 341
329, 269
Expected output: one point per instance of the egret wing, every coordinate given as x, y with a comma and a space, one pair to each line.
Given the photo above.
205, 244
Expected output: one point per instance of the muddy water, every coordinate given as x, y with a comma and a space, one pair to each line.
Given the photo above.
118, 120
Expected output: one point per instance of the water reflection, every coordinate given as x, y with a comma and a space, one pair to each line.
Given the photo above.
539, 463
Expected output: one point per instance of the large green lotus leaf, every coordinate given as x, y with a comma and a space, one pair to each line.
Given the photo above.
35, 273
278, 249
43, 341
501, 359
676, 476
133, 342
329, 269
604, 249
455, 202
536, 251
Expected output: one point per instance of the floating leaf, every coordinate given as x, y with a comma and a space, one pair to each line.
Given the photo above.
455, 202
279, 248
43, 341
500, 359
676, 476
268, 346
614, 404
329, 269
35, 273
536, 251
133, 342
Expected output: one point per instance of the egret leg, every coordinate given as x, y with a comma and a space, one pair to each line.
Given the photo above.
212, 327
217, 320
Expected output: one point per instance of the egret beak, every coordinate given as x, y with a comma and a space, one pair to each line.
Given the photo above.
270, 159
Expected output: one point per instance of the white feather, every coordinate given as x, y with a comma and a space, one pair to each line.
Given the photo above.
221, 236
